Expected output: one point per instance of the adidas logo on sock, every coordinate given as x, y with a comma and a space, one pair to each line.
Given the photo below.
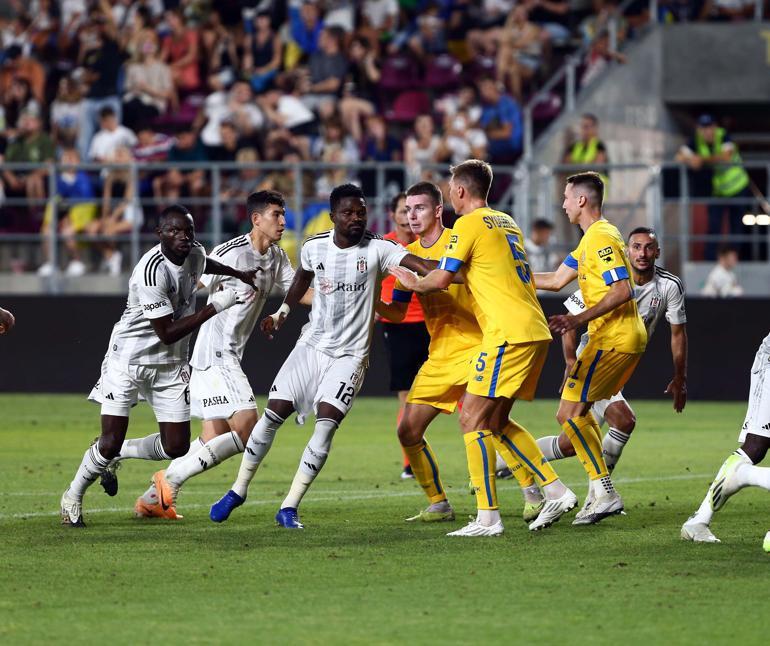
312, 467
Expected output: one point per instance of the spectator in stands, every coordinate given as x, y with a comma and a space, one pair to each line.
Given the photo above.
149, 88
360, 91
102, 59
65, 113
327, 69
420, 149
120, 211
553, 16
135, 31
305, 25
231, 142
334, 147
110, 137
238, 106
519, 54
465, 99
430, 39
722, 281
32, 145
18, 99
220, 52
180, 51
379, 144
540, 253
598, 58
588, 149
461, 140
237, 187
502, 122
712, 147
151, 148
15, 67
379, 18
77, 209
182, 180
285, 111
605, 11
262, 53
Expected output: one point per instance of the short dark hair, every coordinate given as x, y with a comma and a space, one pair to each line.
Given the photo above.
170, 211
395, 200
341, 192
429, 189
591, 181
542, 223
106, 111
725, 249
591, 117
649, 231
258, 201
475, 175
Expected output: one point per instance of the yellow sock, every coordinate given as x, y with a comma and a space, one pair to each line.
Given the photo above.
425, 470
587, 440
523, 475
481, 466
520, 443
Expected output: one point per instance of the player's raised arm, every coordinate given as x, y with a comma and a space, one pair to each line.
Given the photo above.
298, 292
216, 267
7, 321
553, 281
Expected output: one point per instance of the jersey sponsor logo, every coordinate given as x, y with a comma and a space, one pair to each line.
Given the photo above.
327, 286
149, 307
574, 299
216, 400
606, 255
362, 265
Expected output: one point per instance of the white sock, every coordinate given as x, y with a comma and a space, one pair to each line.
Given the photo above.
260, 441
603, 486
208, 455
313, 460
612, 446
532, 494
549, 445
500, 463
704, 513
89, 470
488, 517
749, 475
554, 490
144, 448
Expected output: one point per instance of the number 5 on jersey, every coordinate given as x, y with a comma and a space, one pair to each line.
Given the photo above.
519, 257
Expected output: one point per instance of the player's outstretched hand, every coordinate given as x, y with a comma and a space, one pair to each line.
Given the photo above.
561, 323
7, 321
678, 390
408, 278
248, 275
271, 324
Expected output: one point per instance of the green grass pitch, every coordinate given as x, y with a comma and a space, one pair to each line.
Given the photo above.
358, 574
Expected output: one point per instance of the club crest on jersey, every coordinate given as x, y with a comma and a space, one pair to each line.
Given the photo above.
362, 265
655, 301
605, 255
184, 376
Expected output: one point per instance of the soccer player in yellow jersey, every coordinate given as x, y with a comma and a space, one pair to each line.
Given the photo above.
440, 383
617, 336
489, 246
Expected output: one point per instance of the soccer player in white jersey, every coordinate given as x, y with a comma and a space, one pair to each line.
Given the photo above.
657, 293
326, 369
739, 470
220, 393
147, 353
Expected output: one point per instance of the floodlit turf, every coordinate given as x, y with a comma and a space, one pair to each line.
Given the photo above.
358, 573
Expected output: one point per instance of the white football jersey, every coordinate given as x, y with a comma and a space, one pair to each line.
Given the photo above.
157, 288
765, 346
222, 339
347, 286
664, 294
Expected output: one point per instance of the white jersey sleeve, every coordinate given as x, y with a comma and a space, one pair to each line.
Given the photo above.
675, 310
390, 252
575, 303
285, 274
153, 294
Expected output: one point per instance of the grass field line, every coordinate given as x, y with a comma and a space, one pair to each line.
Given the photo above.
327, 496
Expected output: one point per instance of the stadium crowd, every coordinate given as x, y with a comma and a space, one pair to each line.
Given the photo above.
239, 81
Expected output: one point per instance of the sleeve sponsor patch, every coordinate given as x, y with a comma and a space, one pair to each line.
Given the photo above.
606, 255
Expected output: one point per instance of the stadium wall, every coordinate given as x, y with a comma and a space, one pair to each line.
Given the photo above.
58, 344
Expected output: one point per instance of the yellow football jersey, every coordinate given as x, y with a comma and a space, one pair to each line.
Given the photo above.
449, 314
600, 260
491, 247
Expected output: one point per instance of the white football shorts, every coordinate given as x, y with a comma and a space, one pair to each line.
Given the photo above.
309, 377
757, 420
218, 392
600, 407
165, 387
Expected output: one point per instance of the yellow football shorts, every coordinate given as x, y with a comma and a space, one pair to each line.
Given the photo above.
509, 370
440, 383
598, 374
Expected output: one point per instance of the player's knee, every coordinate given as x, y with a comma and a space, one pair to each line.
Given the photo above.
755, 447
627, 422
408, 435
565, 446
561, 418
175, 448
245, 424
109, 447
